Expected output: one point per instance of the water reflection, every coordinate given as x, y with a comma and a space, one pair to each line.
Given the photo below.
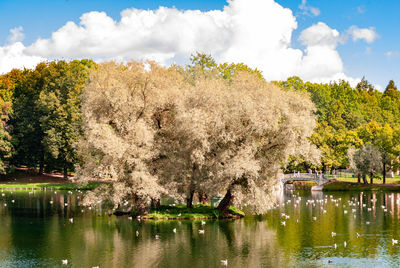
343, 228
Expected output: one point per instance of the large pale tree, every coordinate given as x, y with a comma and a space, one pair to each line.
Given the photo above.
175, 132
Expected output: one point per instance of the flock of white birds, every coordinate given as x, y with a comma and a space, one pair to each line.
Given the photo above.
350, 208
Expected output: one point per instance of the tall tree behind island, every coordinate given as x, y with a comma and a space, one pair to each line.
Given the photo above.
176, 131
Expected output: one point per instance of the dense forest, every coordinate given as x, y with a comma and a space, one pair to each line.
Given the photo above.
56, 117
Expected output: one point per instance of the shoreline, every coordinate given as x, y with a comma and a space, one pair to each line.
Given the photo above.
354, 186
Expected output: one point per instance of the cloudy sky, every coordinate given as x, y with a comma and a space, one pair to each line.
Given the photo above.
319, 41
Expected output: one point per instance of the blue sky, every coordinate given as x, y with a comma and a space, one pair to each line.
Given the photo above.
377, 58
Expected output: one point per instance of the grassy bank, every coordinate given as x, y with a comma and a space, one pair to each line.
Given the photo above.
353, 186
26, 179
55, 186
197, 212
395, 180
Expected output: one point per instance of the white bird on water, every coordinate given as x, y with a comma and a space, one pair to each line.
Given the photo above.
345, 243
64, 262
201, 231
71, 220
394, 241
174, 230
358, 235
333, 234
224, 262
203, 222
137, 233
283, 223
157, 236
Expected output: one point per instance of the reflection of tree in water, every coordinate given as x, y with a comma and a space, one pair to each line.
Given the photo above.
48, 237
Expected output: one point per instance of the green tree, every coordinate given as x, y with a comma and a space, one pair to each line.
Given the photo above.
59, 106
385, 139
7, 85
27, 132
366, 161
364, 85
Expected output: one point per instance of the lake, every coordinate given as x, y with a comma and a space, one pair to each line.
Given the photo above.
42, 228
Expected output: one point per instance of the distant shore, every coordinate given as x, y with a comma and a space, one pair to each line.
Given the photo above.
23, 179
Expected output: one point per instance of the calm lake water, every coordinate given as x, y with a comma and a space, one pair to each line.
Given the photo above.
36, 231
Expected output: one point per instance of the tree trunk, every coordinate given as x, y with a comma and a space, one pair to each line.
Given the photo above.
155, 203
384, 173
225, 203
364, 179
358, 178
203, 198
65, 172
141, 207
189, 200
41, 164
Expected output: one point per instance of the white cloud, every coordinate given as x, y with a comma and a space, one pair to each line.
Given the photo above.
14, 56
256, 32
369, 35
16, 35
309, 10
392, 54
319, 34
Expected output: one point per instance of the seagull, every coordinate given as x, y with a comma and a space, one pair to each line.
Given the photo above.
394, 241
224, 262
201, 231
64, 262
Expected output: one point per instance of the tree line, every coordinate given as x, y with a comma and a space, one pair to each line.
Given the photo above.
352, 118
201, 129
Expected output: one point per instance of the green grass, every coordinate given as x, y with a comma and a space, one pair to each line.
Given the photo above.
353, 186
55, 186
395, 180
182, 212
